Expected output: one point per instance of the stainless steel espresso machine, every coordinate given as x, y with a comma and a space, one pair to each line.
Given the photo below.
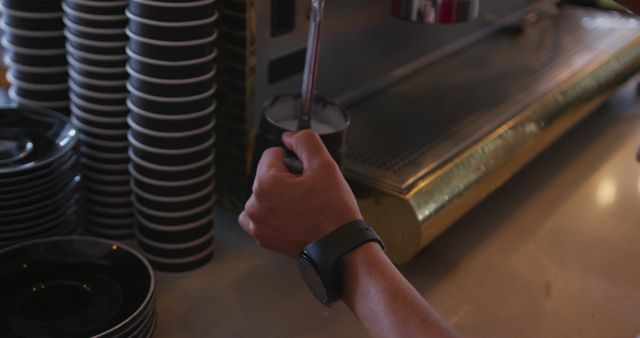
442, 115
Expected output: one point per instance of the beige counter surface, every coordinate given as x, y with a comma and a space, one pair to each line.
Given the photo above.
553, 253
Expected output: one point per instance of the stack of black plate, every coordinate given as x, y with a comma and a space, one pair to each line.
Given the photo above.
75, 287
172, 85
96, 41
40, 191
34, 53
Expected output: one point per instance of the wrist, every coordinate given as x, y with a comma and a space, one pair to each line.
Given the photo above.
322, 261
368, 252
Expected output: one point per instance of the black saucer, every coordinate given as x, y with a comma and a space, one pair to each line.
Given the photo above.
31, 138
72, 287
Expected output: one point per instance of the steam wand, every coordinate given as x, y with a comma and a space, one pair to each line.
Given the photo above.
311, 65
308, 82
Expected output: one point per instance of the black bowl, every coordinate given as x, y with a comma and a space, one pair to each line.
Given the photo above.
154, 172
38, 61
156, 87
39, 71
172, 13
106, 211
93, 19
33, 42
115, 179
93, 39
114, 76
85, 287
87, 139
96, 50
52, 78
32, 50
119, 151
121, 224
162, 157
109, 135
106, 9
73, 74
157, 203
34, 24
101, 61
181, 265
115, 113
88, 123
162, 51
170, 70
34, 6
170, 189
109, 107
96, 88
107, 162
89, 61
97, 98
35, 86
163, 142
110, 233
33, 138
165, 218
172, 125
104, 158
92, 188
42, 95
159, 250
170, 108
99, 24
172, 33
174, 234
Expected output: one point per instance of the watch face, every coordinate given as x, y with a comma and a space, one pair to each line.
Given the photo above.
313, 281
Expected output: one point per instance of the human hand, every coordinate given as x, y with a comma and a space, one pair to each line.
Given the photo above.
288, 211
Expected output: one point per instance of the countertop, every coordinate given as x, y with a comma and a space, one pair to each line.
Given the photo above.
553, 253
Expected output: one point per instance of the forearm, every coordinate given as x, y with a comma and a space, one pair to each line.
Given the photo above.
384, 301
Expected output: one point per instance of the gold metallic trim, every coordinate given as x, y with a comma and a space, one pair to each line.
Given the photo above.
408, 222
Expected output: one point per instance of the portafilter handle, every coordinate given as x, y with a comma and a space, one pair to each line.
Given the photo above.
436, 11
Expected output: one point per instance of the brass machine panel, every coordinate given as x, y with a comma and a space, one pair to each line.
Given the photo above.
427, 146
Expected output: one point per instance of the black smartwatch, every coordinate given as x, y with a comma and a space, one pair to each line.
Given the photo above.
320, 262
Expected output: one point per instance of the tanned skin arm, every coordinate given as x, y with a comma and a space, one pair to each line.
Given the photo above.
287, 211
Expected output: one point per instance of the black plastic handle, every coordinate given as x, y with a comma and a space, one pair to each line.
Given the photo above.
292, 162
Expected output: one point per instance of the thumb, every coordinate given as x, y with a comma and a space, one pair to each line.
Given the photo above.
308, 146
272, 161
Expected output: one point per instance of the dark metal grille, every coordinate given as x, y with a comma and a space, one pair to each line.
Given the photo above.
403, 131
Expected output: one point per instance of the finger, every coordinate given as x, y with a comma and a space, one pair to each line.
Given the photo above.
272, 161
308, 147
245, 223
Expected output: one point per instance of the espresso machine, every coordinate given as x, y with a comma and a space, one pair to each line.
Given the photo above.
448, 99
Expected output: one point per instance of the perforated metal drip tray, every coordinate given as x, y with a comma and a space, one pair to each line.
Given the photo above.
401, 133
431, 146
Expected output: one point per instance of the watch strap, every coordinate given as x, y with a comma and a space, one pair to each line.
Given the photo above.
326, 253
